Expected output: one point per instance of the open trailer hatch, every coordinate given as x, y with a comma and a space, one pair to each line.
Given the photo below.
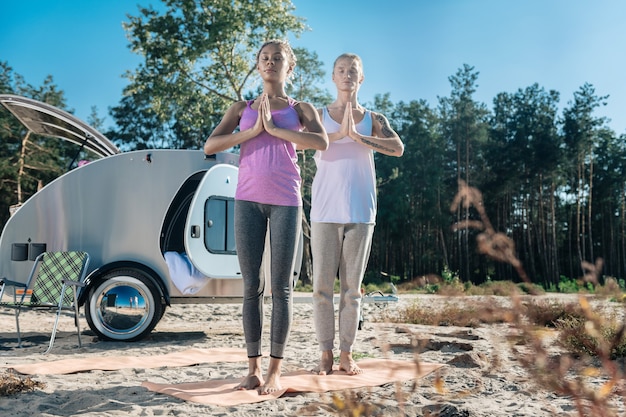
46, 120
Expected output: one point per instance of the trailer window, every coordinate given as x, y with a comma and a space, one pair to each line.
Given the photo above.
219, 215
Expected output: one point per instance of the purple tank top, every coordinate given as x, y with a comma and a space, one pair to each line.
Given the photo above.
268, 166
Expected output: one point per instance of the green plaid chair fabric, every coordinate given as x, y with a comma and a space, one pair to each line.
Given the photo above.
54, 280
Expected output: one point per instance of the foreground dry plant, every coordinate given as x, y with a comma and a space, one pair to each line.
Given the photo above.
11, 383
566, 375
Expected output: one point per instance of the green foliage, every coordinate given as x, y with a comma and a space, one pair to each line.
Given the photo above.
198, 58
433, 288
567, 285
383, 287
357, 356
303, 287
449, 277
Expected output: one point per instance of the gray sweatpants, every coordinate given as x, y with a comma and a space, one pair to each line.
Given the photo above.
338, 250
251, 224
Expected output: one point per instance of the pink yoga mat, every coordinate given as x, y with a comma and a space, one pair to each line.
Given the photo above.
223, 393
113, 363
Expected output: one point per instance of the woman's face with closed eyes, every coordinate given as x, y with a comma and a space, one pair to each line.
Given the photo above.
274, 62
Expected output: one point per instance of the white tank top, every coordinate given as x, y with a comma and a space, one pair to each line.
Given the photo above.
344, 187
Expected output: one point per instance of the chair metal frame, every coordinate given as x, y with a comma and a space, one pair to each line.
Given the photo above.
68, 278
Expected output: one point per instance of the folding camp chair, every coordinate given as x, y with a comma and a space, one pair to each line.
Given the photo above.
52, 284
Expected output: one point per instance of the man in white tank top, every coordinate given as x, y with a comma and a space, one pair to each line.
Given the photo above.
343, 210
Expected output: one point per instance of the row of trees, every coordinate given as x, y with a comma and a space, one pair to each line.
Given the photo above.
554, 182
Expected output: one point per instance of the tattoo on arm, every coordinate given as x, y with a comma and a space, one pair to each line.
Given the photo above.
376, 145
385, 128
387, 132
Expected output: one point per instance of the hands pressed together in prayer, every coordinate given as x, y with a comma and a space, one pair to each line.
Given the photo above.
348, 127
264, 120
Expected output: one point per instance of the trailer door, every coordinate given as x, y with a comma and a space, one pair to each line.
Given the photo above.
209, 229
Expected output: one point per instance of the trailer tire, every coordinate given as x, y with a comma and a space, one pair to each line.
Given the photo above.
124, 305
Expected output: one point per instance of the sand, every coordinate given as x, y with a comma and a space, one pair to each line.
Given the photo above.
482, 375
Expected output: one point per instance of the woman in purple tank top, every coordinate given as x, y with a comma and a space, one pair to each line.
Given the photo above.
268, 197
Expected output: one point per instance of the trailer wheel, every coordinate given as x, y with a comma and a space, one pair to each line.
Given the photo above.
124, 306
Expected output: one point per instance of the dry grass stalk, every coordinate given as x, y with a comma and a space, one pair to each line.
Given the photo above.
568, 375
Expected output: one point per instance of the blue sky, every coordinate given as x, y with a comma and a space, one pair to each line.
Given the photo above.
409, 47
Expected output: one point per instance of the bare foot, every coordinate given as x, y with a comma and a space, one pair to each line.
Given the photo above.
272, 384
254, 378
347, 364
250, 382
272, 380
325, 366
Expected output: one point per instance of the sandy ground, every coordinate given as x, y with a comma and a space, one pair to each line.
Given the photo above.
482, 375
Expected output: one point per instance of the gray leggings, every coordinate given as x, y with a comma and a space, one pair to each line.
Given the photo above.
339, 250
251, 224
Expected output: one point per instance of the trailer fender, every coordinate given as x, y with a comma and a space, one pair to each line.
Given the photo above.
98, 273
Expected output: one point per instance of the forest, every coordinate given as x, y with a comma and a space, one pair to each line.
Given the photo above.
552, 175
